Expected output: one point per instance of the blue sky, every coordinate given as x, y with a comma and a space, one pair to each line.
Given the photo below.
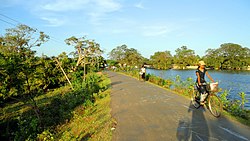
146, 25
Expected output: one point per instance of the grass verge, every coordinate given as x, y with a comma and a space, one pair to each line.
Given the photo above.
83, 121
89, 123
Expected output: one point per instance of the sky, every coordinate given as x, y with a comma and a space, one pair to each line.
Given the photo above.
146, 25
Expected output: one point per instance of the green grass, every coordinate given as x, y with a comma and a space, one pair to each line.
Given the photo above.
86, 121
14, 110
91, 123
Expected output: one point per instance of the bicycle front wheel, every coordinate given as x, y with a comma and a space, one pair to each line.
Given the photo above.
215, 105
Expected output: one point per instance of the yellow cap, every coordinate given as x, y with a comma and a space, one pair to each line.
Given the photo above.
202, 63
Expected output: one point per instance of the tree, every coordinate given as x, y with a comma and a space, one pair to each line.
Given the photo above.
95, 56
80, 45
18, 60
133, 57
118, 53
185, 57
212, 59
125, 55
88, 51
228, 56
19, 77
50, 75
161, 60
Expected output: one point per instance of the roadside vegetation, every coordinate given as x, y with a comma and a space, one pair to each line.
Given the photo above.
52, 98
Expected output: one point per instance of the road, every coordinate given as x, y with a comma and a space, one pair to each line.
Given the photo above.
145, 112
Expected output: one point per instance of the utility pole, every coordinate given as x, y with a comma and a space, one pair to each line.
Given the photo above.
64, 73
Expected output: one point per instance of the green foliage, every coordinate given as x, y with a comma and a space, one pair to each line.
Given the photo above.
93, 84
118, 53
87, 52
89, 123
56, 109
18, 62
228, 56
157, 80
183, 87
224, 98
112, 63
132, 72
235, 107
133, 57
161, 60
185, 57
24, 77
28, 127
46, 136
125, 55
243, 99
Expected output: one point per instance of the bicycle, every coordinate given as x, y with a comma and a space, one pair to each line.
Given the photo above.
212, 100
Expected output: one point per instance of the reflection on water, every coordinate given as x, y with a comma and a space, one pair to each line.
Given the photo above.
235, 81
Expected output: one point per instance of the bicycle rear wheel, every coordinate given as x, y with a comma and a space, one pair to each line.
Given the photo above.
215, 105
195, 98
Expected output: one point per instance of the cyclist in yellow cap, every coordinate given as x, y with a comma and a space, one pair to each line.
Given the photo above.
201, 82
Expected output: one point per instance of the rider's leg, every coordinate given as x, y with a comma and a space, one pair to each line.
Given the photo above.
204, 93
197, 96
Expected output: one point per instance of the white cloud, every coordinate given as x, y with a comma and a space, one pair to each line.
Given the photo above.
151, 31
53, 21
65, 5
99, 12
94, 10
107, 5
139, 5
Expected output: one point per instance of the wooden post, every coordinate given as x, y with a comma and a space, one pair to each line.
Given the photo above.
64, 73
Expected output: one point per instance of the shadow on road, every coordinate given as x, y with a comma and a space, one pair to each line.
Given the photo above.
195, 129
115, 83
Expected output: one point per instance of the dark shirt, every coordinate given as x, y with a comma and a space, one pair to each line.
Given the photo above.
202, 76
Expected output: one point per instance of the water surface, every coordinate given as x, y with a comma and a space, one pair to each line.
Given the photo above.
235, 81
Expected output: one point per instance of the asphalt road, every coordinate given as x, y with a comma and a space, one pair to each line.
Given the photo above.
145, 112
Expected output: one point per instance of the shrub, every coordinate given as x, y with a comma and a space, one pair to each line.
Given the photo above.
58, 108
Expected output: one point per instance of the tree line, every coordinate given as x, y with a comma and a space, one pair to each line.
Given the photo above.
228, 56
24, 73
25, 76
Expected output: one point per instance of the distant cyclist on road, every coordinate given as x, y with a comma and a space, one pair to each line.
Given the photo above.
201, 82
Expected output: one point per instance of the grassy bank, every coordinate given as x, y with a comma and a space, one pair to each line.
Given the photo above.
64, 114
88, 123
232, 108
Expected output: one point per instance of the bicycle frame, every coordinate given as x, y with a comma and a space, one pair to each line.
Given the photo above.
212, 101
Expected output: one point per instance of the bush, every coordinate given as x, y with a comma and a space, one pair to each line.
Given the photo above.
55, 110
235, 107
166, 83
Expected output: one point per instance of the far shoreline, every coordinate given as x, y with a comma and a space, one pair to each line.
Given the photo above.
195, 67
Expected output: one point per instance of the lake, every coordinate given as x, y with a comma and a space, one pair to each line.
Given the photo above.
235, 81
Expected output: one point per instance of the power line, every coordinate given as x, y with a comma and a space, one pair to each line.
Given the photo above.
7, 22
18, 22
10, 18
